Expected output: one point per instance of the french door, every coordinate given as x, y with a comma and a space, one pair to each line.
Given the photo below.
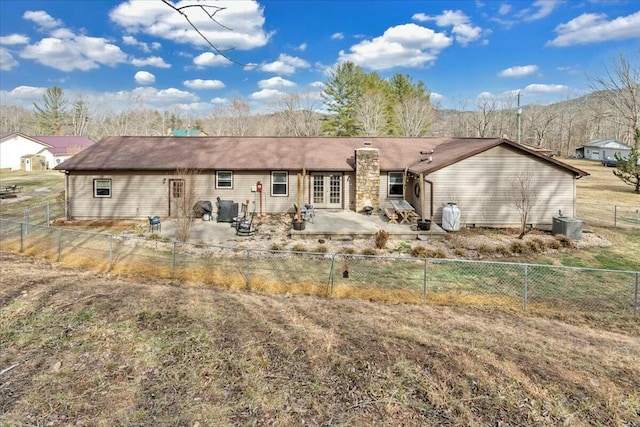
326, 190
176, 197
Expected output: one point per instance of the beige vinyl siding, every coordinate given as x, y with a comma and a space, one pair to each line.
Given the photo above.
139, 194
480, 186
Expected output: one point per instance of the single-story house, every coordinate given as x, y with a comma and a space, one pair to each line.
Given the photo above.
600, 149
15, 147
134, 177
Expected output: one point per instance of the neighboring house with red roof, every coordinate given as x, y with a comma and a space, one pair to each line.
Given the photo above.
134, 177
18, 150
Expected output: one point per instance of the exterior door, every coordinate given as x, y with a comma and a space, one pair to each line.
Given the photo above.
327, 190
176, 196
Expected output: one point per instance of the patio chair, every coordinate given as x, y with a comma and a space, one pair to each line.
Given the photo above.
306, 212
242, 216
154, 224
246, 227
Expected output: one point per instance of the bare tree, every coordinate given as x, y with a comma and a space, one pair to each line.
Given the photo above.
370, 113
183, 199
619, 88
523, 195
296, 115
413, 115
485, 114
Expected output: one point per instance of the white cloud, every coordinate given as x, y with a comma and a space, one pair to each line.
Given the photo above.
302, 47
22, 95
239, 25
318, 84
77, 52
436, 98
203, 84
504, 9
542, 9
519, 71
407, 45
154, 96
7, 61
337, 36
285, 64
266, 94
463, 30
209, 59
144, 78
545, 89
145, 47
275, 82
14, 39
219, 101
593, 28
42, 19
152, 61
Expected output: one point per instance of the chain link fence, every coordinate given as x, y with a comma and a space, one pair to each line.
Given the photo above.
527, 287
602, 215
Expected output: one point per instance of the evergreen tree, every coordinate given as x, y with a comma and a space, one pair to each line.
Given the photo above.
628, 170
342, 91
51, 117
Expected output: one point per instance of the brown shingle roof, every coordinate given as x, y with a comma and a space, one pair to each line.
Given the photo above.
279, 153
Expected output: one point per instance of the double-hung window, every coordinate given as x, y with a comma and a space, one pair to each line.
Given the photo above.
396, 184
279, 183
101, 188
224, 179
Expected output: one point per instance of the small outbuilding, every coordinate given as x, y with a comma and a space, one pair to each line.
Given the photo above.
600, 149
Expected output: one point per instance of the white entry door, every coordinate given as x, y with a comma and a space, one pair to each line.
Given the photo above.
327, 190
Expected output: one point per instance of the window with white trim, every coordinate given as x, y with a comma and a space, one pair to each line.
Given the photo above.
101, 188
396, 184
224, 179
279, 183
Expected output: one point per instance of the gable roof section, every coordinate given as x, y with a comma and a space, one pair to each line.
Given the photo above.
8, 135
280, 153
454, 150
186, 132
60, 145
607, 143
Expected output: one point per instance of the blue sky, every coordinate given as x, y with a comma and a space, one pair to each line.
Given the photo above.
123, 52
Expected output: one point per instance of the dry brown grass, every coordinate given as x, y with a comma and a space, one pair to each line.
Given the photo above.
81, 348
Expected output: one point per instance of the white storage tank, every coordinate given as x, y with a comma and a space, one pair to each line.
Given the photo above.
451, 217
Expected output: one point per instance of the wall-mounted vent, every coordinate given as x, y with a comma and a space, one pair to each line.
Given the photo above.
367, 143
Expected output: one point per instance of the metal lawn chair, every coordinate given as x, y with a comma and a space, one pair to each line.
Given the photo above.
246, 227
154, 224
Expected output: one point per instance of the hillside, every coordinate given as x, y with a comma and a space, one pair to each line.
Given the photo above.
85, 349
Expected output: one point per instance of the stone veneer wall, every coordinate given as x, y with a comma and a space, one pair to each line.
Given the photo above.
367, 178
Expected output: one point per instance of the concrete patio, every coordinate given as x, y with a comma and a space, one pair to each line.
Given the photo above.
327, 224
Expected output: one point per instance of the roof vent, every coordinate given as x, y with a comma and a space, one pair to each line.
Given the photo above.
367, 143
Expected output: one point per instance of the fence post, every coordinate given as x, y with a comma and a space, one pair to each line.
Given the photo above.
526, 285
59, 244
173, 273
110, 251
424, 282
21, 237
635, 296
332, 275
248, 269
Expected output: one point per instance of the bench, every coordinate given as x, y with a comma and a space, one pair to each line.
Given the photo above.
392, 215
10, 189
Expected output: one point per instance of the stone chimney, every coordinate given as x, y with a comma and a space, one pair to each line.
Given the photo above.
367, 178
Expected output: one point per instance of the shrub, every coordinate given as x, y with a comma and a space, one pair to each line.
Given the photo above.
518, 247
299, 247
381, 238
369, 251
502, 250
277, 247
321, 249
555, 244
536, 245
485, 249
349, 250
421, 252
439, 253
564, 240
461, 252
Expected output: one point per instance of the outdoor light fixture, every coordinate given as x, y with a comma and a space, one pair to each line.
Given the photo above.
164, 180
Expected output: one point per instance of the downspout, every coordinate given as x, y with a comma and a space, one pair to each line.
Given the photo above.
431, 199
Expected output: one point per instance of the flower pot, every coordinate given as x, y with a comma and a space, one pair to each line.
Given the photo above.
298, 225
424, 225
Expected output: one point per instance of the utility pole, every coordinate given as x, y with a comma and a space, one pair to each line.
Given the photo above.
519, 114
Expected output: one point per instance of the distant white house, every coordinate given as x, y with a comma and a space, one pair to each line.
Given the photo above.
600, 149
18, 151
